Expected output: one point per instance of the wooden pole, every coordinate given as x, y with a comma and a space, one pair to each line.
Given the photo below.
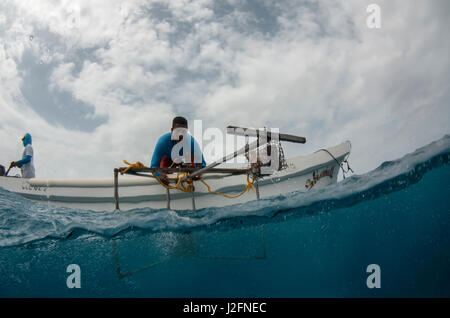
116, 188
6, 174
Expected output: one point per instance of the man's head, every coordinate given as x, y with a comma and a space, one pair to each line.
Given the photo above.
179, 122
26, 139
179, 128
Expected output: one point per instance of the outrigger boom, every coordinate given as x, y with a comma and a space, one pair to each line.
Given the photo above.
251, 132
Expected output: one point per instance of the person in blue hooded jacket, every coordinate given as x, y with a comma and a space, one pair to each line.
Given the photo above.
26, 164
169, 149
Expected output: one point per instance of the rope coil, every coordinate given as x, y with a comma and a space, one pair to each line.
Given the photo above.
186, 184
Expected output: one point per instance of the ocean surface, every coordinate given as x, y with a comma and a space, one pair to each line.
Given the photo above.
302, 244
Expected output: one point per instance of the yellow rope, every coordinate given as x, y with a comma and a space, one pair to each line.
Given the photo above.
132, 165
187, 185
248, 188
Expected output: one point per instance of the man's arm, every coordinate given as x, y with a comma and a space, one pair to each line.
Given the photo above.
25, 160
157, 154
161, 149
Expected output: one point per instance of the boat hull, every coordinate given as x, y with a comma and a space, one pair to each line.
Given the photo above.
312, 171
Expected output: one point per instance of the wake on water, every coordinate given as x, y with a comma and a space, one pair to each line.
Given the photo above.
23, 221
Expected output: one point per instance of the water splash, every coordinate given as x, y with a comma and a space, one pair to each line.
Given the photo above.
23, 221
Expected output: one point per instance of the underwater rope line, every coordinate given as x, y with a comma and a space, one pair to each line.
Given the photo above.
186, 185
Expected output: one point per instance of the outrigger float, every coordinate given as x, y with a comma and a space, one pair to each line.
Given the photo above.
194, 188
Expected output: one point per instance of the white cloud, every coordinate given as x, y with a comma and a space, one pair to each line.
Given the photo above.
191, 11
314, 69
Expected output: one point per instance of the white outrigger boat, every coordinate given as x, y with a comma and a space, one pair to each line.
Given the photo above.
143, 190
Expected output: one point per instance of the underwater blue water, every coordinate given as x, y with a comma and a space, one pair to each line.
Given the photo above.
303, 244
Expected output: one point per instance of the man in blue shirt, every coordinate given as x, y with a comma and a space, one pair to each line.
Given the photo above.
176, 148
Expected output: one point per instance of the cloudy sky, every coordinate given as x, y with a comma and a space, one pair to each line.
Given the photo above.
97, 82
